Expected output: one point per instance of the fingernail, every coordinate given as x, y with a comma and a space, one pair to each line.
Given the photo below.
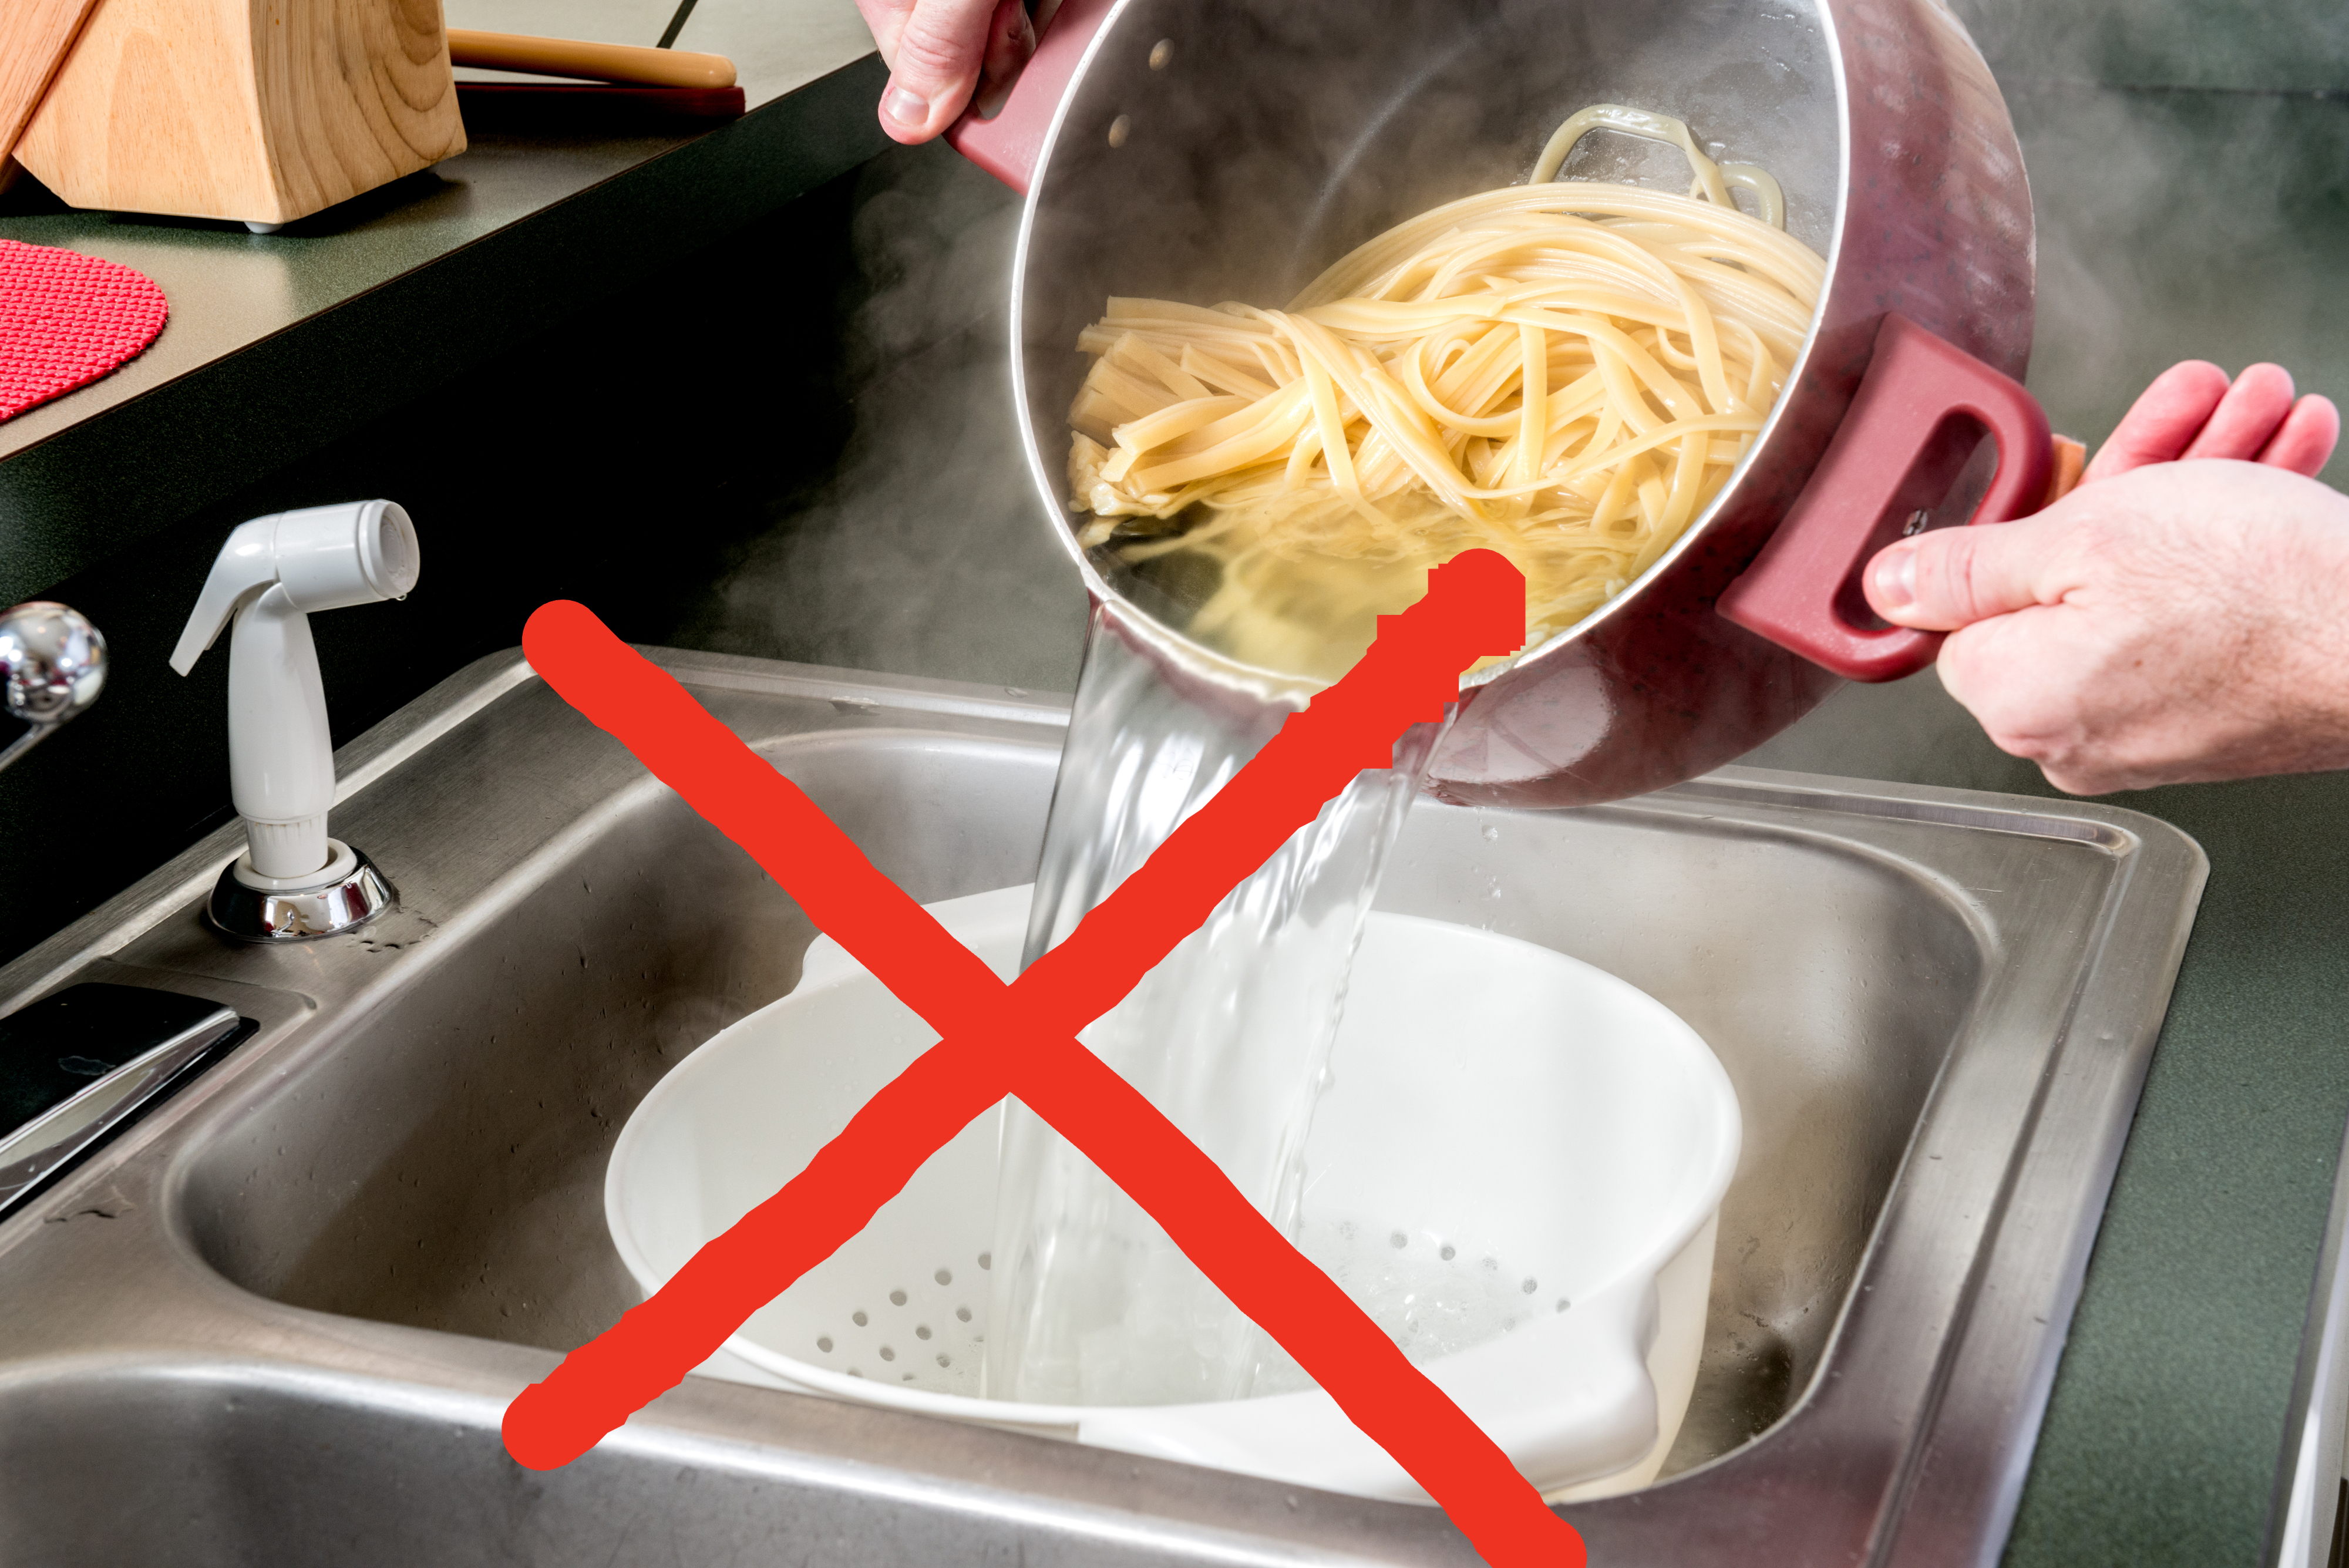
908, 108
1895, 579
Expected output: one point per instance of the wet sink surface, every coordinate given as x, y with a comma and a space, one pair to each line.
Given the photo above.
366, 1232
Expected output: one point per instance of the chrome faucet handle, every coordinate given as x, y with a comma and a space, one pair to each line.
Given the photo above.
54, 664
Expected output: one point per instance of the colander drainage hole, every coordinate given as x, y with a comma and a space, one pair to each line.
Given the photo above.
897, 1298
887, 1354
1399, 1240
1563, 1303
962, 1313
944, 1359
858, 1318
1530, 1286
824, 1345
1449, 1253
987, 1260
921, 1330
944, 1276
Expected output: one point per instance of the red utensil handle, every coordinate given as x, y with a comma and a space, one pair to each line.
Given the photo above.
1010, 144
1798, 591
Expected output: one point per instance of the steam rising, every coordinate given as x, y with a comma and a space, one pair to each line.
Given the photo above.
2185, 175
926, 550
2178, 226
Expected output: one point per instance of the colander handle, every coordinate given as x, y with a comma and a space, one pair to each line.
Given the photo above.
1802, 592
1009, 142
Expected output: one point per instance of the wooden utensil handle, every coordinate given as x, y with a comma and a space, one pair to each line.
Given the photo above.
588, 62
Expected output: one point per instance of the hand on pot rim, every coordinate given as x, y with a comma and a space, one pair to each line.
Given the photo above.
939, 53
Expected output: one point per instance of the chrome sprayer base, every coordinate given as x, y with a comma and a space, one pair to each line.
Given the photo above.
350, 893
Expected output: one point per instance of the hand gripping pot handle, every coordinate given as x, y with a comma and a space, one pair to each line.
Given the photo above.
1009, 142
1800, 591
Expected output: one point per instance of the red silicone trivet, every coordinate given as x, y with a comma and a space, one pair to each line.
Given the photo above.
65, 319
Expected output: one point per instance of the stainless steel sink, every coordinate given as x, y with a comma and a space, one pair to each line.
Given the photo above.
279, 1321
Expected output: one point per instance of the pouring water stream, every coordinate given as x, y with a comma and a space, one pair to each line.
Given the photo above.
1230, 1036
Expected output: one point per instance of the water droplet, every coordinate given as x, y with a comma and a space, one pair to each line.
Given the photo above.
1120, 129
1492, 834
1160, 53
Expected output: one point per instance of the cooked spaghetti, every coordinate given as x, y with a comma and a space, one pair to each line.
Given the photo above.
1564, 372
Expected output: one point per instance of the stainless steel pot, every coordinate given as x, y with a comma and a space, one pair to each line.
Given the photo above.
1211, 150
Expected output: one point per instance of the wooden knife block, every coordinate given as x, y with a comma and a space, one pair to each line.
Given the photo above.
259, 110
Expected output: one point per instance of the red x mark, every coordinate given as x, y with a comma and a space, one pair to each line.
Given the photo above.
1020, 1038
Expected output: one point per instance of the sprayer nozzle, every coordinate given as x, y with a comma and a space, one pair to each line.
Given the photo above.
268, 578
353, 553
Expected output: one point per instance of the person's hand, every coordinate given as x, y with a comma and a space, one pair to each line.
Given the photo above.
2182, 616
939, 52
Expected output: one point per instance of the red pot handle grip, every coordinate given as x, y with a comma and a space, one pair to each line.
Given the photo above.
1798, 591
1008, 143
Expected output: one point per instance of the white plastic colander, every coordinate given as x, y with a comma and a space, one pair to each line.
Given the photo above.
1528, 1141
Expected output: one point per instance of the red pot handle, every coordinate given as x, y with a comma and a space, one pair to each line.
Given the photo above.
1798, 589
1008, 143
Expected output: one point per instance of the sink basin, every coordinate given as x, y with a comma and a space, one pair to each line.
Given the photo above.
293, 1303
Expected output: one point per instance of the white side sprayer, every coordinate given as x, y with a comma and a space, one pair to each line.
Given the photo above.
293, 881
